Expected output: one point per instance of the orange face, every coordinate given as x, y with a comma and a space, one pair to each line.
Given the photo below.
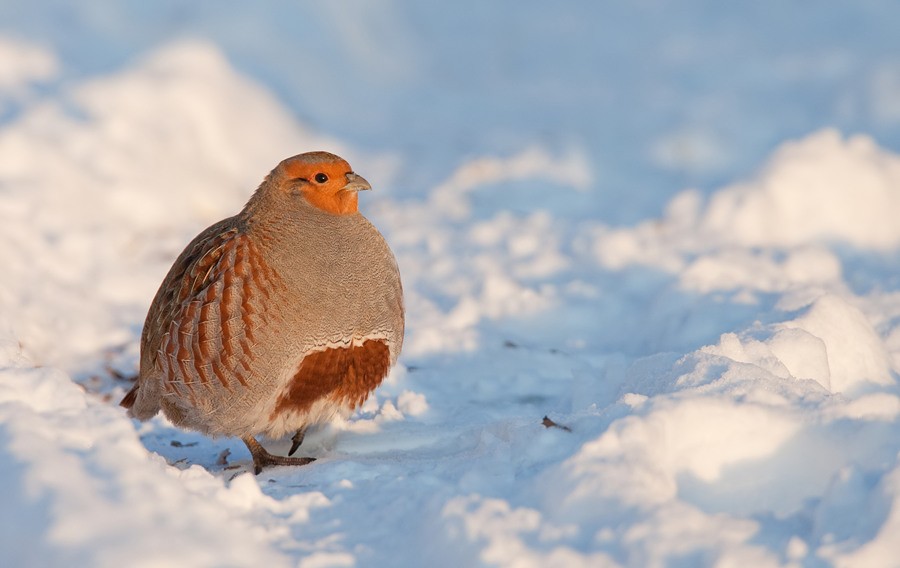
325, 181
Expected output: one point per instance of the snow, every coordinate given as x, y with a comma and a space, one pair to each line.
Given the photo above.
853, 182
23, 65
707, 310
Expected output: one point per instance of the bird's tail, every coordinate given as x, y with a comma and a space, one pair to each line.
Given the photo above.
128, 400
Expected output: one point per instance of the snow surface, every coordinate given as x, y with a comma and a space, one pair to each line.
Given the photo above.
720, 362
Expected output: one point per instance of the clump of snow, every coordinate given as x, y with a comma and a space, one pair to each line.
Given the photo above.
855, 352
412, 403
23, 63
735, 268
823, 188
832, 343
570, 170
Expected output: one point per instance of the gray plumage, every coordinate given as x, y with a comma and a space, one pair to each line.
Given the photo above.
282, 316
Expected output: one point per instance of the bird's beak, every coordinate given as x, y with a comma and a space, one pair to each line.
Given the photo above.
356, 183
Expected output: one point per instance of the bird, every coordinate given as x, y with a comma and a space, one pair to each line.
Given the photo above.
286, 315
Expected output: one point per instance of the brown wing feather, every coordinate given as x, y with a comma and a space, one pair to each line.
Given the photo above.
182, 282
199, 328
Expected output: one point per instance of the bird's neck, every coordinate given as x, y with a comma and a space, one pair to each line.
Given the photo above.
338, 203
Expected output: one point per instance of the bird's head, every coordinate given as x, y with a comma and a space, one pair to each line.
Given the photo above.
321, 179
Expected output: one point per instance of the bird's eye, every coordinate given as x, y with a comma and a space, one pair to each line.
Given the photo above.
321, 178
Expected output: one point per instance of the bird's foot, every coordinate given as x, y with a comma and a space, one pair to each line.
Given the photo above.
296, 440
263, 459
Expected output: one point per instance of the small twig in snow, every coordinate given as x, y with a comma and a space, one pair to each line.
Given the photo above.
223, 457
551, 424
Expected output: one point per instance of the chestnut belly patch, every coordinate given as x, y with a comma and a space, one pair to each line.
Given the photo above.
345, 375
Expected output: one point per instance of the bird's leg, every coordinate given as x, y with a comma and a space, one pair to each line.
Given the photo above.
262, 458
296, 440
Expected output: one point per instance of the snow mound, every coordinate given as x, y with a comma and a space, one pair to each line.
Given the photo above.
176, 98
85, 195
822, 188
103, 501
792, 411
817, 191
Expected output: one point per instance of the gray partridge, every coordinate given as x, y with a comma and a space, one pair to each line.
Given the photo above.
288, 314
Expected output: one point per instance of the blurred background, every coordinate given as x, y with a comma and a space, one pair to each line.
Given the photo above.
656, 95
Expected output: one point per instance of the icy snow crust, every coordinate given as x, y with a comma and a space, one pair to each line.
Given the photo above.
728, 370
